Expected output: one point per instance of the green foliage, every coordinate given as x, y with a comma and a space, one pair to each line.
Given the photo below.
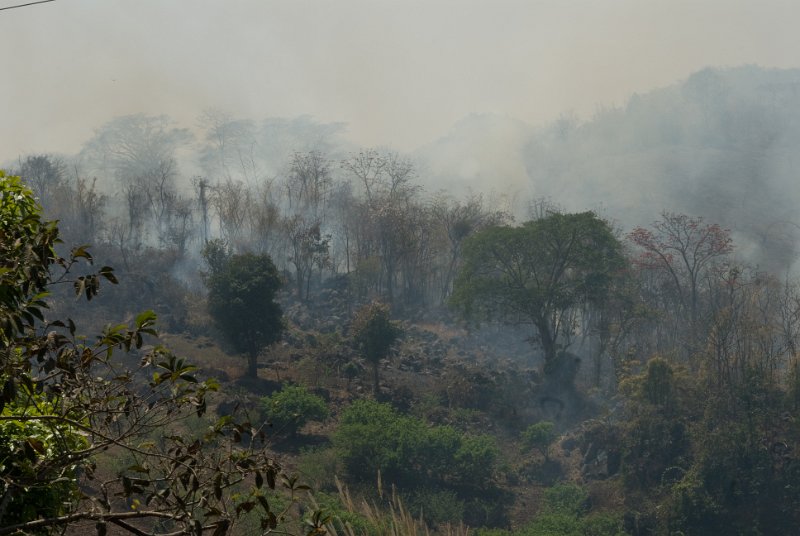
369, 439
656, 438
539, 436
475, 461
560, 524
658, 387
216, 255
241, 301
603, 524
436, 506
743, 479
653, 444
700, 456
553, 524
485, 531
26, 254
374, 333
564, 513
374, 437
568, 499
536, 272
292, 407
33, 482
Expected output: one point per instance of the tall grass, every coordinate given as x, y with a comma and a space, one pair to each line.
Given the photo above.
393, 519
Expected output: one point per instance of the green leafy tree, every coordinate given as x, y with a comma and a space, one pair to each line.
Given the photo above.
241, 301
70, 406
374, 333
539, 436
292, 407
539, 273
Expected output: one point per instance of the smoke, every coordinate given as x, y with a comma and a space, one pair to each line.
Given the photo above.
719, 145
398, 72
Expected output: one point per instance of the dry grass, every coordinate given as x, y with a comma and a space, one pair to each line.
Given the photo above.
394, 520
206, 354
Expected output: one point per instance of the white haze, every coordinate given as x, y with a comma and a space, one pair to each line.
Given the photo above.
398, 73
523, 98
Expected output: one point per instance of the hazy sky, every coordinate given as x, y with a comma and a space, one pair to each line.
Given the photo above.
399, 73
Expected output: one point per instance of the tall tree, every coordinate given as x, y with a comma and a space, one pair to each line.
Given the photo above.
241, 301
45, 174
390, 201
683, 249
309, 184
374, 333
539, 273
310, 249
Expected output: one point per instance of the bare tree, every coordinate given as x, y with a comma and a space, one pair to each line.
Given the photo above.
458, 220
229, 200
309, 184
309, 251
45, 175
683, 249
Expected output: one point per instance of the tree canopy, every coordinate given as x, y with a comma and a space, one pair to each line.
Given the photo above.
539, 273
374, 333
241, 301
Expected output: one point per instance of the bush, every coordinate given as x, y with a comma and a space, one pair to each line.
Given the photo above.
292, 407
539, 436
553, 524
436, 506
564, 514
475, 461
375, 437
368, 440
569, 499
604, 524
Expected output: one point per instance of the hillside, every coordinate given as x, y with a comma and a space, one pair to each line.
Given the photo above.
719, 144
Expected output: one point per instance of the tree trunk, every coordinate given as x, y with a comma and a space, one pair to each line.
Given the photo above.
252, 365
548, 343
376, 387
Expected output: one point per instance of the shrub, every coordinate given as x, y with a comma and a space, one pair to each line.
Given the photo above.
564, 514
475, 461
436, 506
569, 499
292, 407
539, 436
368, 439
604, 524
375, 437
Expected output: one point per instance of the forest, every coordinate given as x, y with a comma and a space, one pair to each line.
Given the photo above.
261, 329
